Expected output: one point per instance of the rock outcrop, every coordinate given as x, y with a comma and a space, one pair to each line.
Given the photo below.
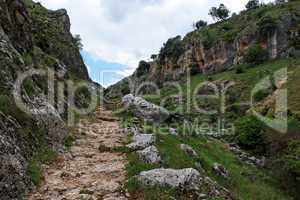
149, 155
216, 48
188, 179
141, 141
31, 37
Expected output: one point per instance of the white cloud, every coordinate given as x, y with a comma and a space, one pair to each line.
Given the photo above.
126, 31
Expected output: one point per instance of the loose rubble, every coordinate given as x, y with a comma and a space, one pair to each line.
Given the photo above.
245, 157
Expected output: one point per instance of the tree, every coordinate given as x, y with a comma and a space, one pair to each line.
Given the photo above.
252, 4
220, 13
77, 42
200, 24
153, 56
256, 55
277, 2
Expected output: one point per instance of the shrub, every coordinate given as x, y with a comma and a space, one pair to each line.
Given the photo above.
239, 69
69, 141
208, 37
83, 97
35, 172
195, 69
249, 133
77, 42
29, 87
261, 95
256, 55
291, 158
220, 13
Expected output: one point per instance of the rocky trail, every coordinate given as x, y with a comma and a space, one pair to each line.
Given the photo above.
84, 172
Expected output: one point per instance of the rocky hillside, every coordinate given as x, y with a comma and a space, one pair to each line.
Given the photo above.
222, 45
234, 144
32, 37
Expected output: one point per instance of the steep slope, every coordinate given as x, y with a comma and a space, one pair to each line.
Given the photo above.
227, 61
220, 46
33, 38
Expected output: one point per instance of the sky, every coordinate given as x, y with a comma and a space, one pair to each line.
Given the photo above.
117, 34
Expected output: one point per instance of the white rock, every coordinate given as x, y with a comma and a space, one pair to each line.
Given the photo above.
142, 141
149, 155
144, 109
188, 179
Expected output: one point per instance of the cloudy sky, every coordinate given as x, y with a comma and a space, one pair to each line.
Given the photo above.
117, 34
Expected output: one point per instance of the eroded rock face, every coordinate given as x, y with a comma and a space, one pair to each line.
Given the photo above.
144, 109
13, 167
19, 140
188, 179
149, 155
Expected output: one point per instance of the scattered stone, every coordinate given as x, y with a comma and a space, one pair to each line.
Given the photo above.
149, 155
173, 131
141, 141
188, 150
187, 179
144, 109
220, 170
245, 157
198, 166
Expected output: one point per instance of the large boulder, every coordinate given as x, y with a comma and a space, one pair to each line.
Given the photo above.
141, 141
149, 155
187, 179
144, 109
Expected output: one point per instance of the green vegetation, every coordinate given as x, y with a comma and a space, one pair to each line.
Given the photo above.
29, 87
256, 55
220, 13
77, 42
142, 69
267, 25
249, 133
200, 24
44, 155
173, 48
252, 4
69, 141
245, 181
291, 159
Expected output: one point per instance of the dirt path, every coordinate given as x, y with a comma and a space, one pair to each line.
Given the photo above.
84, 173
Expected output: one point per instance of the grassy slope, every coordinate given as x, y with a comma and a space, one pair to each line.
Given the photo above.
245, 182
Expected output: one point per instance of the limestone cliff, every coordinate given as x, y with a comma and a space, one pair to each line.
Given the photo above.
32, 37
221, 46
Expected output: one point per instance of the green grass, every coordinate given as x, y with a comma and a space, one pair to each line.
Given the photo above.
44, 155
212, 151
245, 182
